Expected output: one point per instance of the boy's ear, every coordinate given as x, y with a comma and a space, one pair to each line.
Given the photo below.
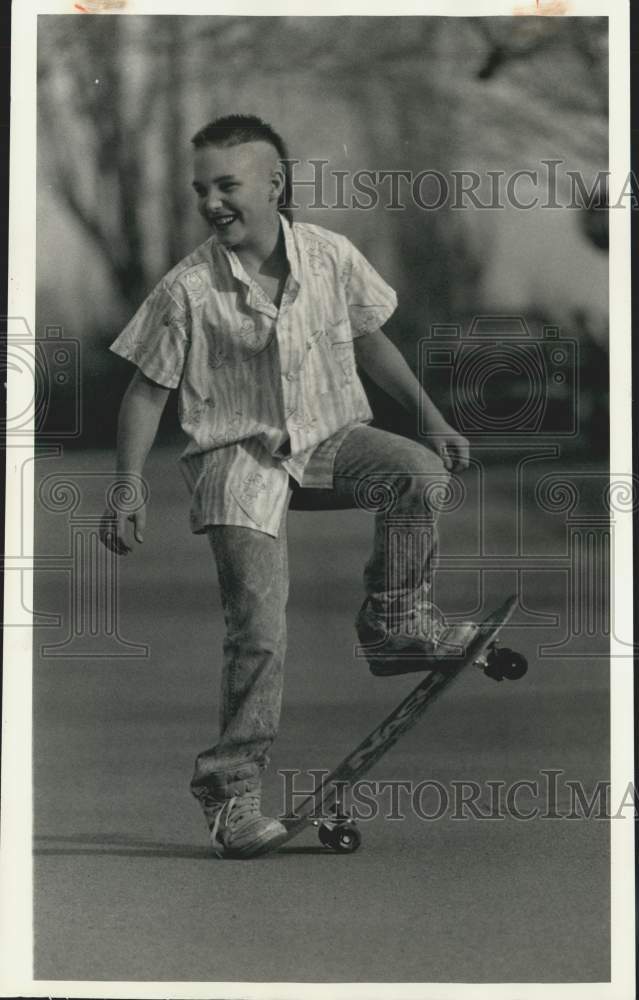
277, 182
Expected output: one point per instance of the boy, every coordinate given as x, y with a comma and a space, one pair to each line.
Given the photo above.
261, 329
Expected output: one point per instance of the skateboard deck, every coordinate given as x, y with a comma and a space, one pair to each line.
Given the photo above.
322, 807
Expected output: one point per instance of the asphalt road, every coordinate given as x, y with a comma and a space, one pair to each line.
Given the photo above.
125, 886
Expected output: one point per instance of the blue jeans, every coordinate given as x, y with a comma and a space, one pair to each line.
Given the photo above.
394, 478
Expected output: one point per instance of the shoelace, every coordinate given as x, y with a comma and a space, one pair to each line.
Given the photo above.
421, 623
236, 808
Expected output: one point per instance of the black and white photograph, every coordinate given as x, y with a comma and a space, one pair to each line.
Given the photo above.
318, 580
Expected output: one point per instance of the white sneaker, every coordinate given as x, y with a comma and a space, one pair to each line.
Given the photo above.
238, 829
417, 640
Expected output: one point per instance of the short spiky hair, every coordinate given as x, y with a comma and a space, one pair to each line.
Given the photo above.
233, 130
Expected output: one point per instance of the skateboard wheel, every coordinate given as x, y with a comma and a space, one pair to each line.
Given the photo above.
514, 665
348, 839
506, 663
344, 838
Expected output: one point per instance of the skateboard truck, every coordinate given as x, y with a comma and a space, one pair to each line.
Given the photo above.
500, 663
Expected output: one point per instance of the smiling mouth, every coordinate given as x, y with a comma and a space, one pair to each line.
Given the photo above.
222, 221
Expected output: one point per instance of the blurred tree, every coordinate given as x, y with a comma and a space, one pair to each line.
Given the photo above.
92, 140
114, 94
109, 99
511, 40
119, 97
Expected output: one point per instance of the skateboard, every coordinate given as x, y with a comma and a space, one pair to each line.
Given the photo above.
335, 829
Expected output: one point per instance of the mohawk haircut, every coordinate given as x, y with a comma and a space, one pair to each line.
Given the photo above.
234, 130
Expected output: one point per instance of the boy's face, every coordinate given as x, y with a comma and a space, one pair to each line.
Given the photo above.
238, 188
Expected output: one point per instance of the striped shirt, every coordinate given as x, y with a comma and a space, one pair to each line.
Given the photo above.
260, 388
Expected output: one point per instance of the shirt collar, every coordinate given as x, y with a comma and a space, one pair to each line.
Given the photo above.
290, 246
292, 253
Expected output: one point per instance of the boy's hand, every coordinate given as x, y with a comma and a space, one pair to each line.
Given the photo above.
451, 446
118, 529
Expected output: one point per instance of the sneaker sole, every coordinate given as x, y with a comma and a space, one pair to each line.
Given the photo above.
257, 848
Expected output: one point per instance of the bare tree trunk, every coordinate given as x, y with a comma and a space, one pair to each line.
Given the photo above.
174, 139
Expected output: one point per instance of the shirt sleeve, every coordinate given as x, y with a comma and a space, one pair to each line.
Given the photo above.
371, 302
156, 338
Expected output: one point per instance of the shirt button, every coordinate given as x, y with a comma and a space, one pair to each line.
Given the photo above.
290, 377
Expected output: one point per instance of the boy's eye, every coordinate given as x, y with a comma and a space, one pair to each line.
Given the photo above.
229, 186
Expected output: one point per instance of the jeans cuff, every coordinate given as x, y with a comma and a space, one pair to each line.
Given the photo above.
225, 784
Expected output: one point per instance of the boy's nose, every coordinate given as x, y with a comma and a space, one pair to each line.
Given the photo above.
212, 202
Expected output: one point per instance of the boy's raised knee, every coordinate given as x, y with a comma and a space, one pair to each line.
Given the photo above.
421, 485
425, 466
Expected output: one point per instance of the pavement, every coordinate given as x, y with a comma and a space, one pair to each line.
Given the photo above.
125, 885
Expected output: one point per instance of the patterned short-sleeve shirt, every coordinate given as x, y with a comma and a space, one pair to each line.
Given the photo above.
259, 388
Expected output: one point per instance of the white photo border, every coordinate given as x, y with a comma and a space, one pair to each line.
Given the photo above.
16, 930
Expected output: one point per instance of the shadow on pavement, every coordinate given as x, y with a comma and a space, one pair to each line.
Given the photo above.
118, 845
